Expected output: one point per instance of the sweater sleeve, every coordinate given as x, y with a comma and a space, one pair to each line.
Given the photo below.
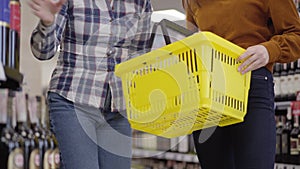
190, 21
284, 46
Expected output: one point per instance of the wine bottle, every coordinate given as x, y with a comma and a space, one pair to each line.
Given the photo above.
4, 30
4, 136
11, 137
291, 82
23, 127
297, 76
183, 145
55, 164
279, 129
277, 85
14, 35
284, 81
34, 158
294, 136
49, 141
286, 133
38, 128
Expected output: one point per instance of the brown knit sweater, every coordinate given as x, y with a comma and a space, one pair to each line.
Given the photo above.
272, 23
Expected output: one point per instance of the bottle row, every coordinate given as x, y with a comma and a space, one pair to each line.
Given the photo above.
286, 80
288, 133
26, 140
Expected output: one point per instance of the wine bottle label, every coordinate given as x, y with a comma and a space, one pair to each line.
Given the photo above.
284, 84
16, 159
34, 159
21, 107
294, 143
297, 83
183, 145
15, 16
4, 13
3, 105
291, 84
56, 158
298, 143
278, 144
277, 86
295, 106
47, 159
174, 144
285, 143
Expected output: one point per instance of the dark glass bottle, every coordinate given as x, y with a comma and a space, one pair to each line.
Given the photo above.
277, 85
4, 30
39, 128
279, 130
284, 81
36, 156
294, 136
14, 35
23, 127
49, 142
297, 76
285, 137
291, 82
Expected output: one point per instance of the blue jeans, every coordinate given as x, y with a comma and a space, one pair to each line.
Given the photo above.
247, 145
89, 138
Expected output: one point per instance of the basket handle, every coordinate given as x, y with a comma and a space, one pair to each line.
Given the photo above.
165, 25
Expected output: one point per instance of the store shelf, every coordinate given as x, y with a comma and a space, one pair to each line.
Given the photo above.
141, 153
291, 162
288, 159
286, 166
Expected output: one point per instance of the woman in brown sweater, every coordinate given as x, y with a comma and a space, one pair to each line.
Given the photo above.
269, 30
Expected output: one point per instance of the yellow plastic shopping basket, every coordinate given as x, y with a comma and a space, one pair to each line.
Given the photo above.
185, 86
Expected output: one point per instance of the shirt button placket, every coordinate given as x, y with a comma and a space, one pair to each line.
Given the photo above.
110, 51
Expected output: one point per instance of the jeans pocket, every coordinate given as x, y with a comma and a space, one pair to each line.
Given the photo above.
260, 94
259, 86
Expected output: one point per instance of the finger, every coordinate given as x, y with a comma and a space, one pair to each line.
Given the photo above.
253, 66
37, 2
247, 62
34, 6
246, 54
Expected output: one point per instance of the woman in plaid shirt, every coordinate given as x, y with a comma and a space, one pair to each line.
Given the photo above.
85, 97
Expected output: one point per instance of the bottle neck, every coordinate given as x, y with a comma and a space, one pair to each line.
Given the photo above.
10, 109
296, 120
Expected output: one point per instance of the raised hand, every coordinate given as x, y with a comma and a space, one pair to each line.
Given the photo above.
46, 9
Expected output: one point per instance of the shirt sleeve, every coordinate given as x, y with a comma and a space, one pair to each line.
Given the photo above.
284, 46
45, 40
141, 41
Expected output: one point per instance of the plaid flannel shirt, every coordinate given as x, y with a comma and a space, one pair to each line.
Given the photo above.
93, 36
